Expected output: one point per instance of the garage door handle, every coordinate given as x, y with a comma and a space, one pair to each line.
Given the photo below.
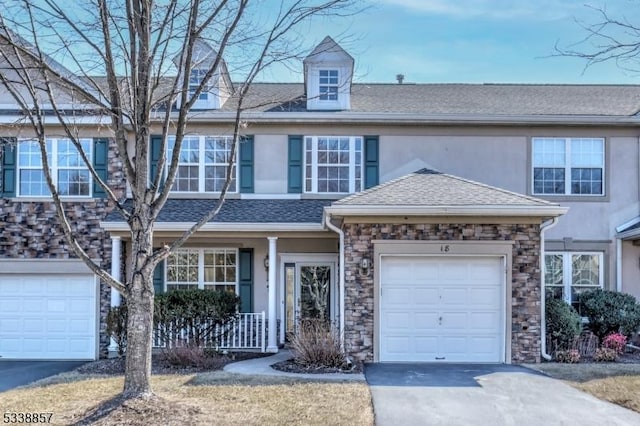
440, 321
440, 358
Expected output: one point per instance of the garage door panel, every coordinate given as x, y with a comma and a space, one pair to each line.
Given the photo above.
455, 321
397, 295
456, 296
484, 296
47, 317
484, 320
424, 321
454, 309
398, 321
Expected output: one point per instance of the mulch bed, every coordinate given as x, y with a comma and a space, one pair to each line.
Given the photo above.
160, 364
290, 366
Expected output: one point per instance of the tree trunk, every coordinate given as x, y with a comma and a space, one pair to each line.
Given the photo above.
137, 377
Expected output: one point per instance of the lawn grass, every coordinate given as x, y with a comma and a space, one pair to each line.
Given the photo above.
616, 383
181, 403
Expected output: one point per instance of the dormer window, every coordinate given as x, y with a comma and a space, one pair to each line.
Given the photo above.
195, 79
328, 72
328, 85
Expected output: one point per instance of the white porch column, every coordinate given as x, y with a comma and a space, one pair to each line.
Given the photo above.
272, 343
116, 251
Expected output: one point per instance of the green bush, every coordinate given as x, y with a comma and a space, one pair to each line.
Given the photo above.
117, 326
201, 313
610, 312
563, 324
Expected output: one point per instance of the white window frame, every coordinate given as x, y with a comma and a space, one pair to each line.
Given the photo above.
567, 167
53, 166
201, 281
314, 164
202, 165
195, 79
329, 85
567, 270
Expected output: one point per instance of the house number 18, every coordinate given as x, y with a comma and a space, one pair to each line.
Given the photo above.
445, 248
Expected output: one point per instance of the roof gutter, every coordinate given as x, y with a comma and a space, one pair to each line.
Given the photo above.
222, 227
473, 210
411, 118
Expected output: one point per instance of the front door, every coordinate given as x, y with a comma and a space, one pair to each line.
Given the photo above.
308, 292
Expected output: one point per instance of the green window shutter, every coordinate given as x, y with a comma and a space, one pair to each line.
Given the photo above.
295, 165
154, 156
158, 278
246, 165
9, 149
371, 161
245, 275
100, 159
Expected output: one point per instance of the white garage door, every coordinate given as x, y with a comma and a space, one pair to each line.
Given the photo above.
47, 316
441, 309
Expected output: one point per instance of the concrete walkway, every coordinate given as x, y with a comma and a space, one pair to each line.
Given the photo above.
262, 367
464, 394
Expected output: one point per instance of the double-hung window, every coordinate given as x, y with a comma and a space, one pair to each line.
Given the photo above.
209, 269
328, 89
567, 275
203, 163
333, 164
195, 79
570, 166
69, 172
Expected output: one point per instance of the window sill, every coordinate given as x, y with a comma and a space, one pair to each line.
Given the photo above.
572, 198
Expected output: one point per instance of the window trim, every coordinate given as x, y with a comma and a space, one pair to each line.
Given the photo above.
314, 165
567, 270
567, 195
202, 165
201, 282
53, 166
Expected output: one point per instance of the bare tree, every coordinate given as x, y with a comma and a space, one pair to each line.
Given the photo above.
145, 51
607, 38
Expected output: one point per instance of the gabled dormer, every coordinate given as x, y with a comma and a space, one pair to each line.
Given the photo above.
328, 72
219, 86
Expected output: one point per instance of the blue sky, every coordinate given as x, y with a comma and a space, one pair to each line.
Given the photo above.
474, 41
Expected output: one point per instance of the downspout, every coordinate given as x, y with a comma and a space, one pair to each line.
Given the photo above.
327, 222
619, 265
543, 323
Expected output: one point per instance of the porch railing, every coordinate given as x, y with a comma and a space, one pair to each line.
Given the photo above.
247, 331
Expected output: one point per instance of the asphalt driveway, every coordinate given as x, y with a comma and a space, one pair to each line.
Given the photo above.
486, 394
19, 373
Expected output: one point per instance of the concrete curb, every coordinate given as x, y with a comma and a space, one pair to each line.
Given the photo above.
262, 367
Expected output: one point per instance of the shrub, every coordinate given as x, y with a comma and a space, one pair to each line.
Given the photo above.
202, 314
615, 341
610, 312
605, 355
563, 324
572, 356
190, 356
117, 326
316, 344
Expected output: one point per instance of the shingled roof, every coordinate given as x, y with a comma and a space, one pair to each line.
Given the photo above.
460, 99
240, 211
431, 192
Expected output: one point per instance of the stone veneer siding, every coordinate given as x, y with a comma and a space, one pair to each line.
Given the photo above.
525, 276
31, 230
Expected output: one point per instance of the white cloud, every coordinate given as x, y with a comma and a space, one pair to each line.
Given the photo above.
492, 9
